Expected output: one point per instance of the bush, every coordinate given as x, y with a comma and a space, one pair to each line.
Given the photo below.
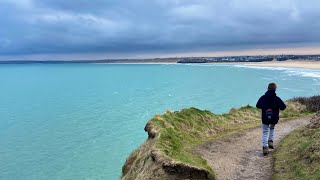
312, 103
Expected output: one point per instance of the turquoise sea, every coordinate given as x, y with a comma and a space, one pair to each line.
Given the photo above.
81, 121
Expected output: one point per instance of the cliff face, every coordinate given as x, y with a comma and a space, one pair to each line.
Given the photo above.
148, 162
172, 137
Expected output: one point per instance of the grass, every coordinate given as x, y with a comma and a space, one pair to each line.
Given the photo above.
179, 132
298, 156
174, 135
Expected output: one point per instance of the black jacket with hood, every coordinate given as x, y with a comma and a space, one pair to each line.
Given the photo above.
270, 101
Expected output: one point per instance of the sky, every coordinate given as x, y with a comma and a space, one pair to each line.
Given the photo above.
102, 29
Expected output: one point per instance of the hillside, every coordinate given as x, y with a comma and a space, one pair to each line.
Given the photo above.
168, 153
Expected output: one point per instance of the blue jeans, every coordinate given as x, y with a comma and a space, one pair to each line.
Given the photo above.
266, 135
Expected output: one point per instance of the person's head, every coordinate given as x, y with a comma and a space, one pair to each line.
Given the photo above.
272, 87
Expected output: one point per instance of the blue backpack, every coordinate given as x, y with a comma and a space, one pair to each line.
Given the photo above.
270, 114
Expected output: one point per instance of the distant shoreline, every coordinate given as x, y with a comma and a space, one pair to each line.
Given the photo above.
140, 63
89, 62
307, 64
173, 60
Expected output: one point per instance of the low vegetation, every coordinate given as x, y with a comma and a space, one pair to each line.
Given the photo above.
312, 103
298, 156
168, 152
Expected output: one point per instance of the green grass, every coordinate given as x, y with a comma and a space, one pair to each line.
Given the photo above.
298, 156
178, 133
174, 135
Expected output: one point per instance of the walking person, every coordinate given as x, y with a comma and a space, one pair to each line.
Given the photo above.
270, 104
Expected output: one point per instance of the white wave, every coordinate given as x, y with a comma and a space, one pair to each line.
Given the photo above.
288, 71
267, 78
262, 67
306, 73
293, 90
302, 72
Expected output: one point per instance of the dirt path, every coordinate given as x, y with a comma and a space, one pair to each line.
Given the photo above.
240, 156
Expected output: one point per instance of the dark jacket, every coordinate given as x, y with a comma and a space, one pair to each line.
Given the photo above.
270, 101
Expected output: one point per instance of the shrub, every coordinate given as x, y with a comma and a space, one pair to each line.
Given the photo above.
312, 103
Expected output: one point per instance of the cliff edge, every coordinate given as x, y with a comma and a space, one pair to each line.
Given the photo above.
169, 152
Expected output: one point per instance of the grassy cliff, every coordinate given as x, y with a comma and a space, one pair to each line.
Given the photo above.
172, 136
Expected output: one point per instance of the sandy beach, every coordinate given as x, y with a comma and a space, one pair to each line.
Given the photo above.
289, 64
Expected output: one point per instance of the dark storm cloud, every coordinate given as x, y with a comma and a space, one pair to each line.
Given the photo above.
89, 26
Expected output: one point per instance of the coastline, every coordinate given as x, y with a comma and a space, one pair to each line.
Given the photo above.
306, 64
286, 64
140, 63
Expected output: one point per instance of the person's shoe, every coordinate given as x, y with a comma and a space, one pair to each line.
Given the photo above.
265, 150
270, 143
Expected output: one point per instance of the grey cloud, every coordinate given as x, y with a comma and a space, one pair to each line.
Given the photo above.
83, 26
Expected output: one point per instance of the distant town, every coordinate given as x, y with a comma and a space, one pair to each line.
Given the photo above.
224, 59
250, 58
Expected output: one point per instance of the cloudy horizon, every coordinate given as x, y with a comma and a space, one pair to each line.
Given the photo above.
47, 29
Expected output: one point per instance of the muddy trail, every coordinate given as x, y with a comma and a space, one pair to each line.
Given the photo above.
240, 156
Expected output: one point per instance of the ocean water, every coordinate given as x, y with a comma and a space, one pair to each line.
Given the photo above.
81, 121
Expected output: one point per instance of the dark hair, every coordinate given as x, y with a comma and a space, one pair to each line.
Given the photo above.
272, 86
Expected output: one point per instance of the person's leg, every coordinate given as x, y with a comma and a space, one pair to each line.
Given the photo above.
271, 136
265, 129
